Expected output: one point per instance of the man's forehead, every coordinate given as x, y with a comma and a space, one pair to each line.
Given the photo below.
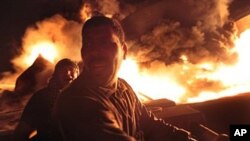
68, 67
99, 28
99, 32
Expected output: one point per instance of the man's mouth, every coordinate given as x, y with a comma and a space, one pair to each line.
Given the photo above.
68, 80
98, 66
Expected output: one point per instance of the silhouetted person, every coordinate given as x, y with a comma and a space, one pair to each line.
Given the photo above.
99, 106
37, 115
34, 77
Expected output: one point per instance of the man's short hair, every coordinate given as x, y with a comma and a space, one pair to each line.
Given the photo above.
66, 63
102, 20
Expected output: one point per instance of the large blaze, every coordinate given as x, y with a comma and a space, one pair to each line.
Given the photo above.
172, 48
53, 38
176, 82
47, 49
187, 56
234, 79
154, 85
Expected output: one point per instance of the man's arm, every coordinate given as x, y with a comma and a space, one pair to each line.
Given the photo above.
22, 132
28, 120
87, 119
157, 129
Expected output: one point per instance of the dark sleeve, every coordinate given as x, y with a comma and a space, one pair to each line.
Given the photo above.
157, 129
33, 110
86, 119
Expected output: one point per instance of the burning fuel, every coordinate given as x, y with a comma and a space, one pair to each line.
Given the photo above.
46, 49
53, 38
187, 82
185, 56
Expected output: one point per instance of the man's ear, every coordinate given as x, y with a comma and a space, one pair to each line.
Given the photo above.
125, 49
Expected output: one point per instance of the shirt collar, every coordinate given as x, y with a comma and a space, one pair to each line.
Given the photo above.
108, 91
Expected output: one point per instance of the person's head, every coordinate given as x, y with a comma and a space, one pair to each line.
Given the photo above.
103, 49
65, 72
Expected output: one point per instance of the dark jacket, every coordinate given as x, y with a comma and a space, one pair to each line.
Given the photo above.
99, 114
38, 113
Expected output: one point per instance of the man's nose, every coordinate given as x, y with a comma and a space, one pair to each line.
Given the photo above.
96, 51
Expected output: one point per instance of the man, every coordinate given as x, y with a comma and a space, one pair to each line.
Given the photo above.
37, 115
99, 106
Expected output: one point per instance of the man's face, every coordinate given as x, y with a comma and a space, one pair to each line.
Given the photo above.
65, 76
102, 54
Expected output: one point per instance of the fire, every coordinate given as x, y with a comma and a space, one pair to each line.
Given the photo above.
46, 49
154, 85
86, 11
107, 7
234, 79
180, 82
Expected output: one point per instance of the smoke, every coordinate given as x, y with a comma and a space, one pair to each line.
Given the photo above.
200, 33
172, 36
57, 30
211, 14
109, 7
168, 41
118, 9
63, 34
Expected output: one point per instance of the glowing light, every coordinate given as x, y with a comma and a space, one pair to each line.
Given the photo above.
7, 87
238, 73
46, 49
184, 58
209, 80
206, 66
154, 86
235, 78
86, 11
181, 82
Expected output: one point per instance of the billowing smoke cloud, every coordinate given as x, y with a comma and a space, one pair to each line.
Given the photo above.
192, 33
168, 41
118, 9
174, 33
208, 37
109, 7
63, 34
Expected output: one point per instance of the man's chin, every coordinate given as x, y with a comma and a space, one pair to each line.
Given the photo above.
100, 80
64, 84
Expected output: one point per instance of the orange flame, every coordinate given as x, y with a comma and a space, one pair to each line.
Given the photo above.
86, 11
176, 82
155, 85
235, 78
54, 38
46, 49
163, 83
